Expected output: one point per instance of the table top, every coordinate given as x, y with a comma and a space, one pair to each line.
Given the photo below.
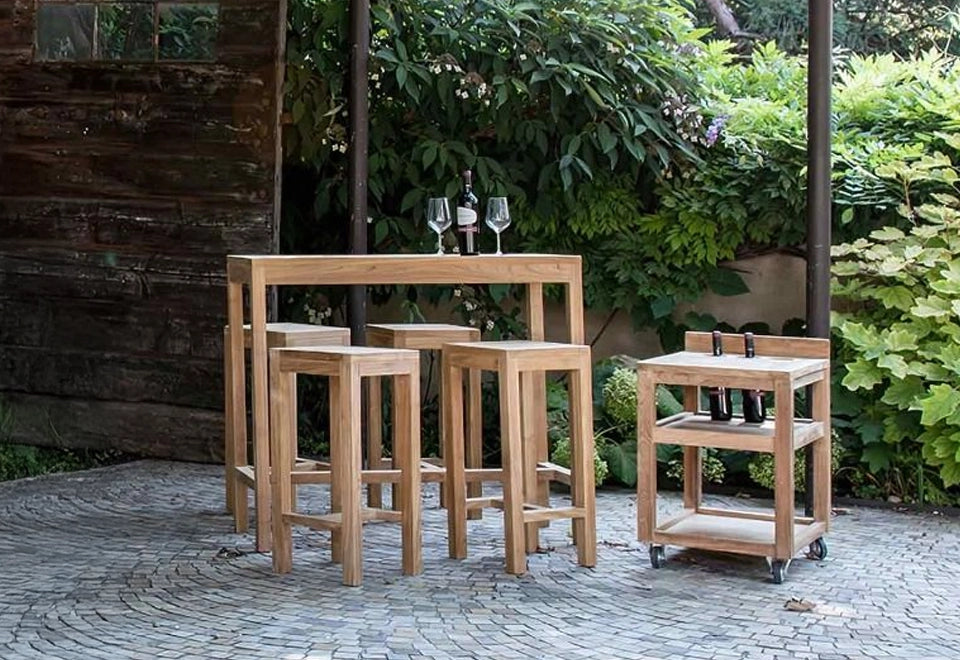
406, 268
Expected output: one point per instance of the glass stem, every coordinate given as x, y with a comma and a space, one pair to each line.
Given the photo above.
499, 251
439, 243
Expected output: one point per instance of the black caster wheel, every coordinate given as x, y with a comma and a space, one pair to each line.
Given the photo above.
778, 570
818, 550
657, 556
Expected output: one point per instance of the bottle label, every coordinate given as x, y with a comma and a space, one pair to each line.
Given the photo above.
466, 219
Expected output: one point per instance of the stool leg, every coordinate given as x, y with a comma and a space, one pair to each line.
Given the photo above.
374, 439
511, 433
455, 480
395, 411
474, 436
349, 468
528, 416
336, 547
295, 442
442, 449
282, 443
406, 394
582, 476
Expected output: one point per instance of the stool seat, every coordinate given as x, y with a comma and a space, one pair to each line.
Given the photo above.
240, 475
422, 336
285, 335
345, 366
525, 355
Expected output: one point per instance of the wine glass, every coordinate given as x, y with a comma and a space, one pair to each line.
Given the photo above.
438, 218
498, 217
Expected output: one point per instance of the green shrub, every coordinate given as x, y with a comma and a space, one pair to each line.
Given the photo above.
763, 473
898, 336
561, 456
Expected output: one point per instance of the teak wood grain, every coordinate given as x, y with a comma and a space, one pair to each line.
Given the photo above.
782, 366
257, 272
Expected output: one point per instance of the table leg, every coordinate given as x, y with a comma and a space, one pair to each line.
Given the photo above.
236, 408
261, 420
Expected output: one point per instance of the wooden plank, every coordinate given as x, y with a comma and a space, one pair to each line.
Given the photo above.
646, 458
750, 515
173, 380
414, 269
783, 459
477, 503
559, 513
732, 343
141, 429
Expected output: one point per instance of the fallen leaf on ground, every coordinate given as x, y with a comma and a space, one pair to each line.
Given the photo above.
799, 605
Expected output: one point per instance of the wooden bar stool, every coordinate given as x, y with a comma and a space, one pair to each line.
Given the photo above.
345, 367
521, 471
240, 475
423, 337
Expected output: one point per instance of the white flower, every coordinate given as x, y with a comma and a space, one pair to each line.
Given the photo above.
457, 293
523, 57
472, 322
374, 76
486, 102
489, 324
469, 306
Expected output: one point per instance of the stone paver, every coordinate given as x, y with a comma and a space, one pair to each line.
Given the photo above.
126, 562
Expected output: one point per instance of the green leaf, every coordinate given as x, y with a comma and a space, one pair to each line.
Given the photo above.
726, 282
942, 402
904, 393
895, 364
900, 339
862, 375
622, 461
499, 291
662, 307
887, 234
931, 307
877, 456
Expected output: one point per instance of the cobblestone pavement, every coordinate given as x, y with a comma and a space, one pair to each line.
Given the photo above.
139, 561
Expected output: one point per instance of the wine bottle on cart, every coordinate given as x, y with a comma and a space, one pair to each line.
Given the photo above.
721, 401
468, 225
754, 407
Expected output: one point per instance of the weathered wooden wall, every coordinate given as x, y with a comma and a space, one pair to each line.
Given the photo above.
122, 188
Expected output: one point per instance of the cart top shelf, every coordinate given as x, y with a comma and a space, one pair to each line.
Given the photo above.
693, 368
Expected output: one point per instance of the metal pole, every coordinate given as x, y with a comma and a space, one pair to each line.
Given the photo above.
819, 79
358, 107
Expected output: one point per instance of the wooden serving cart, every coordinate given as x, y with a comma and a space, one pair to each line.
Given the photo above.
782, 365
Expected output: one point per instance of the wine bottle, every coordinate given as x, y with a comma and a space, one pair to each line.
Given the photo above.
754, 407
468, 226
721, 402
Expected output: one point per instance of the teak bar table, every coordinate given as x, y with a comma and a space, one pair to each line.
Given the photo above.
780, 535
260, 272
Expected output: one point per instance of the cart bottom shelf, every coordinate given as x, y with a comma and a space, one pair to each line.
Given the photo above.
751, 533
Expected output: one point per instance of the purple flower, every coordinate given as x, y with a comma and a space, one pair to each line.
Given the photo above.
713, 130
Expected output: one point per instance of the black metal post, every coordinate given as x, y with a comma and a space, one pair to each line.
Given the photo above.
819, 80
358, 107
